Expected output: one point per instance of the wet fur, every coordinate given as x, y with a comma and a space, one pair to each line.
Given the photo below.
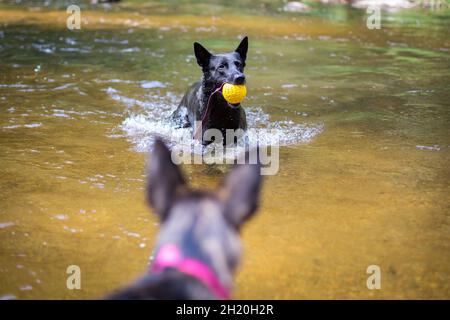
219, 68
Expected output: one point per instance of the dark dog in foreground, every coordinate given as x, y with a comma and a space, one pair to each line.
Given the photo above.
217, 69
198, 248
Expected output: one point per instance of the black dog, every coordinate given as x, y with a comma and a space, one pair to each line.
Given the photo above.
198, 247
217, 69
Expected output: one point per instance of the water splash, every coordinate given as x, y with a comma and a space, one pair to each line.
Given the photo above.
153, 119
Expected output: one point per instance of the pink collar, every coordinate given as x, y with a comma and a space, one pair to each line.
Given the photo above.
169, 256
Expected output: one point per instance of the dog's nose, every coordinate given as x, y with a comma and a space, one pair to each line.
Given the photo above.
239, 79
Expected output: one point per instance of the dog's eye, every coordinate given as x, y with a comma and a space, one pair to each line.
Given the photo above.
237, 64
222, 66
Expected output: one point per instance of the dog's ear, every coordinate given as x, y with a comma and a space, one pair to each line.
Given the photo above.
164, 180
202, 55
239, 192
242, 48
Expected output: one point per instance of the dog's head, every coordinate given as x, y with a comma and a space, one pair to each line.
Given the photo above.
224, 67
203, 225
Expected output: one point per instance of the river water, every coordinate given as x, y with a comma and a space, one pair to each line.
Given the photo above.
363, 116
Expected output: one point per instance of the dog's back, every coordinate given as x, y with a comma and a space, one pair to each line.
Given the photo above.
171, 285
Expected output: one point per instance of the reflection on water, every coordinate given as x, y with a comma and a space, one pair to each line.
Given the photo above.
364, 168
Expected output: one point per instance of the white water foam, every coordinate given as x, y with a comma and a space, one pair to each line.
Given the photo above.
153, 120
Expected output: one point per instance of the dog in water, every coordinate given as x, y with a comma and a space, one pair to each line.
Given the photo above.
198, 247
221, 115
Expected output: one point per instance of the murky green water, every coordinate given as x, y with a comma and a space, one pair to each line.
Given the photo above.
370, 188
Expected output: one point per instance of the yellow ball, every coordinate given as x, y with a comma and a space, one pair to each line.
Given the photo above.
234, 93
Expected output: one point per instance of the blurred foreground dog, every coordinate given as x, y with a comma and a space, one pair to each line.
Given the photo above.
198, 248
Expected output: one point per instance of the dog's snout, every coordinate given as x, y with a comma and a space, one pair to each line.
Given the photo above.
239, 79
